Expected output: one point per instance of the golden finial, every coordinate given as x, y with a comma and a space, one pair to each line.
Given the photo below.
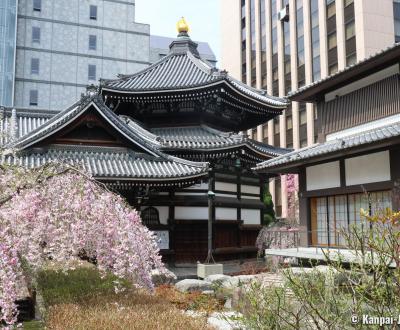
182, 26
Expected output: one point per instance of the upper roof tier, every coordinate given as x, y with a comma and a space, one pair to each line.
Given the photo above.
183, 76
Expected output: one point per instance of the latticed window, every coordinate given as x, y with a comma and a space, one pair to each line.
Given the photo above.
150, 216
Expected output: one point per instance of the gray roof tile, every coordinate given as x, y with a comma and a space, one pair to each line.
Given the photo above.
371, 136
110, 162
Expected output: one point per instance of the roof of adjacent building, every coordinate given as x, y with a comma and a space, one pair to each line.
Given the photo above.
150, 164
162, 42
373, 63
331, 148
183, 69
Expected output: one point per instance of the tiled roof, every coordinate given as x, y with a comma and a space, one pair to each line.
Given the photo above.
23, 120
207, 138
183, 69
369, 59
111, 162
364, 138
102, 161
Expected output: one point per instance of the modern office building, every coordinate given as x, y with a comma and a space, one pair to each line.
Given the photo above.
282, 45
8, 31
62, 46
50, 50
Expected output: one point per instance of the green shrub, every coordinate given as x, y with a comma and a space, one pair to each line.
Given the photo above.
327, 298
269, 213
74, 286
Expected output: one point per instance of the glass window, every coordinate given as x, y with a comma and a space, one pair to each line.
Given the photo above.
37, 5
91, 72
35, 34
334, 213
396, 15
289, 122
34, 66
352, 59
348, 2
303, 143
303, 116
332, 41
277, 128
92, 42
316, 68
331, 10
350, 30
33, 97
265, 131
93, 12
333, 68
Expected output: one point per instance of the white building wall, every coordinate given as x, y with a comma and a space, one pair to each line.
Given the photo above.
323, 176
191, 213
251, 216
367, 169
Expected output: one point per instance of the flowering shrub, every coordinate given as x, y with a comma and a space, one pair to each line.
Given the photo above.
58, 213
277, 237
342, 294
292, 187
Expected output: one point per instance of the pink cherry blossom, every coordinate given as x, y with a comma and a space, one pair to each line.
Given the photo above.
56, 214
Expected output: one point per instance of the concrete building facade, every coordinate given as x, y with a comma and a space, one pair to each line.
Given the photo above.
8, 32
159, 48
283, 45
62, 46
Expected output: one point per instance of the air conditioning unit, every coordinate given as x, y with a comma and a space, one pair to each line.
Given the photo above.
283, 14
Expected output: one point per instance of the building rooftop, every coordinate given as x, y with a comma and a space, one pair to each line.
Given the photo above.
357, 71
331, 148
164, 42
147, 164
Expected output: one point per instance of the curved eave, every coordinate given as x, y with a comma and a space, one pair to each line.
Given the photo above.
219, 82
241, 145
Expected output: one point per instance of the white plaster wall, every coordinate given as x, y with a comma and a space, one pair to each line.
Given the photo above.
225, 186
203, 185
323, 176
367, 169
225, 213
191, 213
163, 213
251, 216
247, 189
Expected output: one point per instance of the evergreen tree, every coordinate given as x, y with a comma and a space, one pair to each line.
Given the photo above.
269, 213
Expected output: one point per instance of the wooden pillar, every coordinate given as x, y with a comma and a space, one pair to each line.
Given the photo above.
171, 224
395, 177
239, 209
211, 217
304, 210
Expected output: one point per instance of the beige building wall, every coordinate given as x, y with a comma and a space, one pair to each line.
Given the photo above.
374, 26
231, 37
374, 30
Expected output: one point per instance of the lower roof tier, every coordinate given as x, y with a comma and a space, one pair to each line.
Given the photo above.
112, 163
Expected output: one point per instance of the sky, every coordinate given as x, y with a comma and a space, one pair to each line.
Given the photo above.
203, 17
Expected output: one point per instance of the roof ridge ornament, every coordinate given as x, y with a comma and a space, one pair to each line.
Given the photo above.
183, 27
183, 43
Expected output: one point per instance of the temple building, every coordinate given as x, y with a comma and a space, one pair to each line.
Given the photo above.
164, 138
356, 162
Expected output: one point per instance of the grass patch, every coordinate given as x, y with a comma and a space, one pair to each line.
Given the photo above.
82, 300
74, 286
33, 325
